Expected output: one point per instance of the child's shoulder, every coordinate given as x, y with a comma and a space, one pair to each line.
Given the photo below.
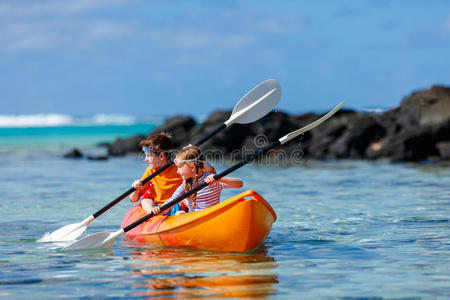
146, 172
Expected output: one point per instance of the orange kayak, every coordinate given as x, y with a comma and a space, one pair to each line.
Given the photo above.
239, 224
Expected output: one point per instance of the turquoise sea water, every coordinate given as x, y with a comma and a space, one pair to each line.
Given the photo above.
345, 229
63, 137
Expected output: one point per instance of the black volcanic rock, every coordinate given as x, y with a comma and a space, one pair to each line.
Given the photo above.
444, 149
419, 128
179, 127
74, 153
97, 157
346, 136
124, 146
226, 140
426, 108
415, 127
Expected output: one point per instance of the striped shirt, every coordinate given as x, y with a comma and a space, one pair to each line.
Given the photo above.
206, 197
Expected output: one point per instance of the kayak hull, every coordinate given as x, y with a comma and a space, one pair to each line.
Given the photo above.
239, 224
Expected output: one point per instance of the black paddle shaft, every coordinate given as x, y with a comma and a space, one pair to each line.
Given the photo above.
153, 175
204, 184
204, 139
130, 190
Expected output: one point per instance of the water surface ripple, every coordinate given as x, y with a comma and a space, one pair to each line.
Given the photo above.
346, 229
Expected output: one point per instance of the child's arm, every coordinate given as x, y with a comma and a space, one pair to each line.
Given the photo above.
157, 209
136, 194
231, 181
147, 204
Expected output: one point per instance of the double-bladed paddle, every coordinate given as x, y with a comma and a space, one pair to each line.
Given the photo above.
254, 105
106, 239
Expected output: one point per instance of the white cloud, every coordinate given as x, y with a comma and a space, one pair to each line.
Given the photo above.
20, 36
55, 7
196, 38
445, 27
55, 25
107, 29
280, 25
54, 35
52, 25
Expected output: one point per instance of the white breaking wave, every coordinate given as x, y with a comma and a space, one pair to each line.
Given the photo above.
373, 110
55, 120
113, 119
37, 120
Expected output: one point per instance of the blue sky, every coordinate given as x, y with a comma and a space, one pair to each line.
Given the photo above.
193, 57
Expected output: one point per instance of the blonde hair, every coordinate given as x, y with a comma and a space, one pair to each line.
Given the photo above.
191, 155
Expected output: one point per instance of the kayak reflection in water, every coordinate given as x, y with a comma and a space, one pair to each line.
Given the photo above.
183, 273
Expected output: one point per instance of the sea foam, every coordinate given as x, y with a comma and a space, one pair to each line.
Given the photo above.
55, 120
116, 119
36, 120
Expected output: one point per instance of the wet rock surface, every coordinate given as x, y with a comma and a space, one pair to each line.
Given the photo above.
74, 153
418, 129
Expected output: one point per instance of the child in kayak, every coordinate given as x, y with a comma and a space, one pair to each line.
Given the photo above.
190, 163
160, 188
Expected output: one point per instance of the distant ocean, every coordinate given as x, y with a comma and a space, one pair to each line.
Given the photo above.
345, 229
57, 132
61, 130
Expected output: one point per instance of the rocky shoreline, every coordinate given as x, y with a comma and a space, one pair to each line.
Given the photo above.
418, 129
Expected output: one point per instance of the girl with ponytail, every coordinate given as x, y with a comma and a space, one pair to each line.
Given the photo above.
190, 163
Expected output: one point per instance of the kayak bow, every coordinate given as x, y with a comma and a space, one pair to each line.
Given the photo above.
239, 224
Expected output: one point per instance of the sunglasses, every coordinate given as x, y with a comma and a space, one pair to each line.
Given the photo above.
147, 151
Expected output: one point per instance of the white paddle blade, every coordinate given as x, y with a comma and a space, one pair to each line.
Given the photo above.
257, 103
96, 240
316, 123
67, 233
